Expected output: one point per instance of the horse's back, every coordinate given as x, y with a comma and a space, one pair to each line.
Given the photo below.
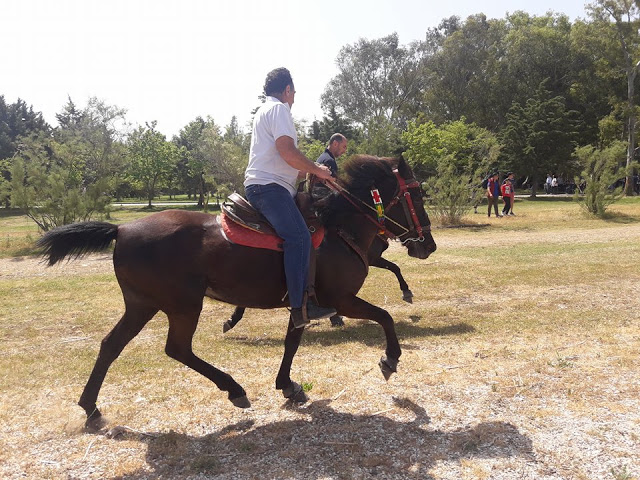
168, 237
176, 254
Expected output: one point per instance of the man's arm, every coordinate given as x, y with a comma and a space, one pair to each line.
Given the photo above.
294, 157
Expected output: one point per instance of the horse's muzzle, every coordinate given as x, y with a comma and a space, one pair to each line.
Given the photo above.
422, 250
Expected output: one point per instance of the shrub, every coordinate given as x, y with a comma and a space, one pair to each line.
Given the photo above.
600, 171
450, 194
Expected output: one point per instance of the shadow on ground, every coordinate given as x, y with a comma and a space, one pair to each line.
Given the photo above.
328, 443
369, 333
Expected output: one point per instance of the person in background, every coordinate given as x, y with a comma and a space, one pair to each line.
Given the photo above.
275, 162
547, 184
512, 177
508, 194
493, 194
335, 149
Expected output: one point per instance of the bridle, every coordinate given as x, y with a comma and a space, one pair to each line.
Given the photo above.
402, 196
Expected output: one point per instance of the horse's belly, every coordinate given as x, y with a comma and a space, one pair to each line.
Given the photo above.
248, 277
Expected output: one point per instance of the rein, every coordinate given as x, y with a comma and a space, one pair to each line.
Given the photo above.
402, 195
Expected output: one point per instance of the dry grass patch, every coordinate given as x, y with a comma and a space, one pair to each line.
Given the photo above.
520, 360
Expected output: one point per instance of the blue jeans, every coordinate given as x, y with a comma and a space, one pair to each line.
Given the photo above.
279, 208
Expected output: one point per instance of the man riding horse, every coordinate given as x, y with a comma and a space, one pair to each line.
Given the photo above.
275, 163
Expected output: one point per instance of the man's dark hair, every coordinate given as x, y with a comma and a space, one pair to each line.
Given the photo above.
337, 137
277, 81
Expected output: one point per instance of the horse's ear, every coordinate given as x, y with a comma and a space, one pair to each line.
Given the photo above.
393, 162
403, 167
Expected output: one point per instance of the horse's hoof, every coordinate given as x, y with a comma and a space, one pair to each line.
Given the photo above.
407, 296
336, 321
226, 326
241, 402
388, 366
95, 423
295, 393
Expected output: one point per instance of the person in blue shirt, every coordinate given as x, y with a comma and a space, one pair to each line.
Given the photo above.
336, 148
493, 194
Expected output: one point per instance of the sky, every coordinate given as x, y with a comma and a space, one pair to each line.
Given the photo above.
173, 60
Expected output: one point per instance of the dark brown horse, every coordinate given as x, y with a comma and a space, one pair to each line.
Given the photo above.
171, 260
374, 258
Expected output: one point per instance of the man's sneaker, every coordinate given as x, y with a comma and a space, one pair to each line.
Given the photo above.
299, 318
513, 214
315, 311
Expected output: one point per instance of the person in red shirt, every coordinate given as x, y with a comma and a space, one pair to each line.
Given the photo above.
508, 194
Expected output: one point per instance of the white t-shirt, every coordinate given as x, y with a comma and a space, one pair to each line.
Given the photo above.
272, 121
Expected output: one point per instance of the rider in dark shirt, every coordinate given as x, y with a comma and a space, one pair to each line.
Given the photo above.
336, 147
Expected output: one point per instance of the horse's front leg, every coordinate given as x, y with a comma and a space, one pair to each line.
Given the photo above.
290, 389
355, 307
407, 294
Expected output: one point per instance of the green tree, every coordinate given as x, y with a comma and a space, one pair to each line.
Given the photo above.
191, 167
312, 149
224, 161
600, 170
540, 137
152, 159
462, 71
452, 157
597, 90
479, 67
471, 150
625, 28
47, 184
378, 79
96, 134
17, 121
332, 123
536, 49
381, 137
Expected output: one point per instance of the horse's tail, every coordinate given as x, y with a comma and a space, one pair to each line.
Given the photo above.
76, 239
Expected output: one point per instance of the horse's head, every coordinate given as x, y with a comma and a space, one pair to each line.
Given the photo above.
402, 199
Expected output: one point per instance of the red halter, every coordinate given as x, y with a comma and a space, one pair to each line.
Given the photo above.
403, 196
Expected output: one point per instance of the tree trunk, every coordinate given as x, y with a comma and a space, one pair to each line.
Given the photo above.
534, 186
201, 193
631, 123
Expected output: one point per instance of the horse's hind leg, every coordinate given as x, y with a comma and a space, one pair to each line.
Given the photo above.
182, 326
236, 316
133, 320
290, 389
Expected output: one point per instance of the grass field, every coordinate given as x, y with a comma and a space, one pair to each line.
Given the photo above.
520, 360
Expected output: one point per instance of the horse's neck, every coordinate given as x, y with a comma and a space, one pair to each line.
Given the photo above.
360, 228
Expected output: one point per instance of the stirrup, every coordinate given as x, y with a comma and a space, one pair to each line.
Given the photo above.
299, 317
316, 312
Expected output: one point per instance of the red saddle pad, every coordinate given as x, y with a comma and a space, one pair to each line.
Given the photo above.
249, 238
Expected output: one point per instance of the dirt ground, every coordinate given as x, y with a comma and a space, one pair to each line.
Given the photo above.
561, 404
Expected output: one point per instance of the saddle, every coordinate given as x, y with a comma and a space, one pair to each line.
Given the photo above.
244, 225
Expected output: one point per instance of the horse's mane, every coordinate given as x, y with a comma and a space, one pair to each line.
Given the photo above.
362, 171
360, 174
